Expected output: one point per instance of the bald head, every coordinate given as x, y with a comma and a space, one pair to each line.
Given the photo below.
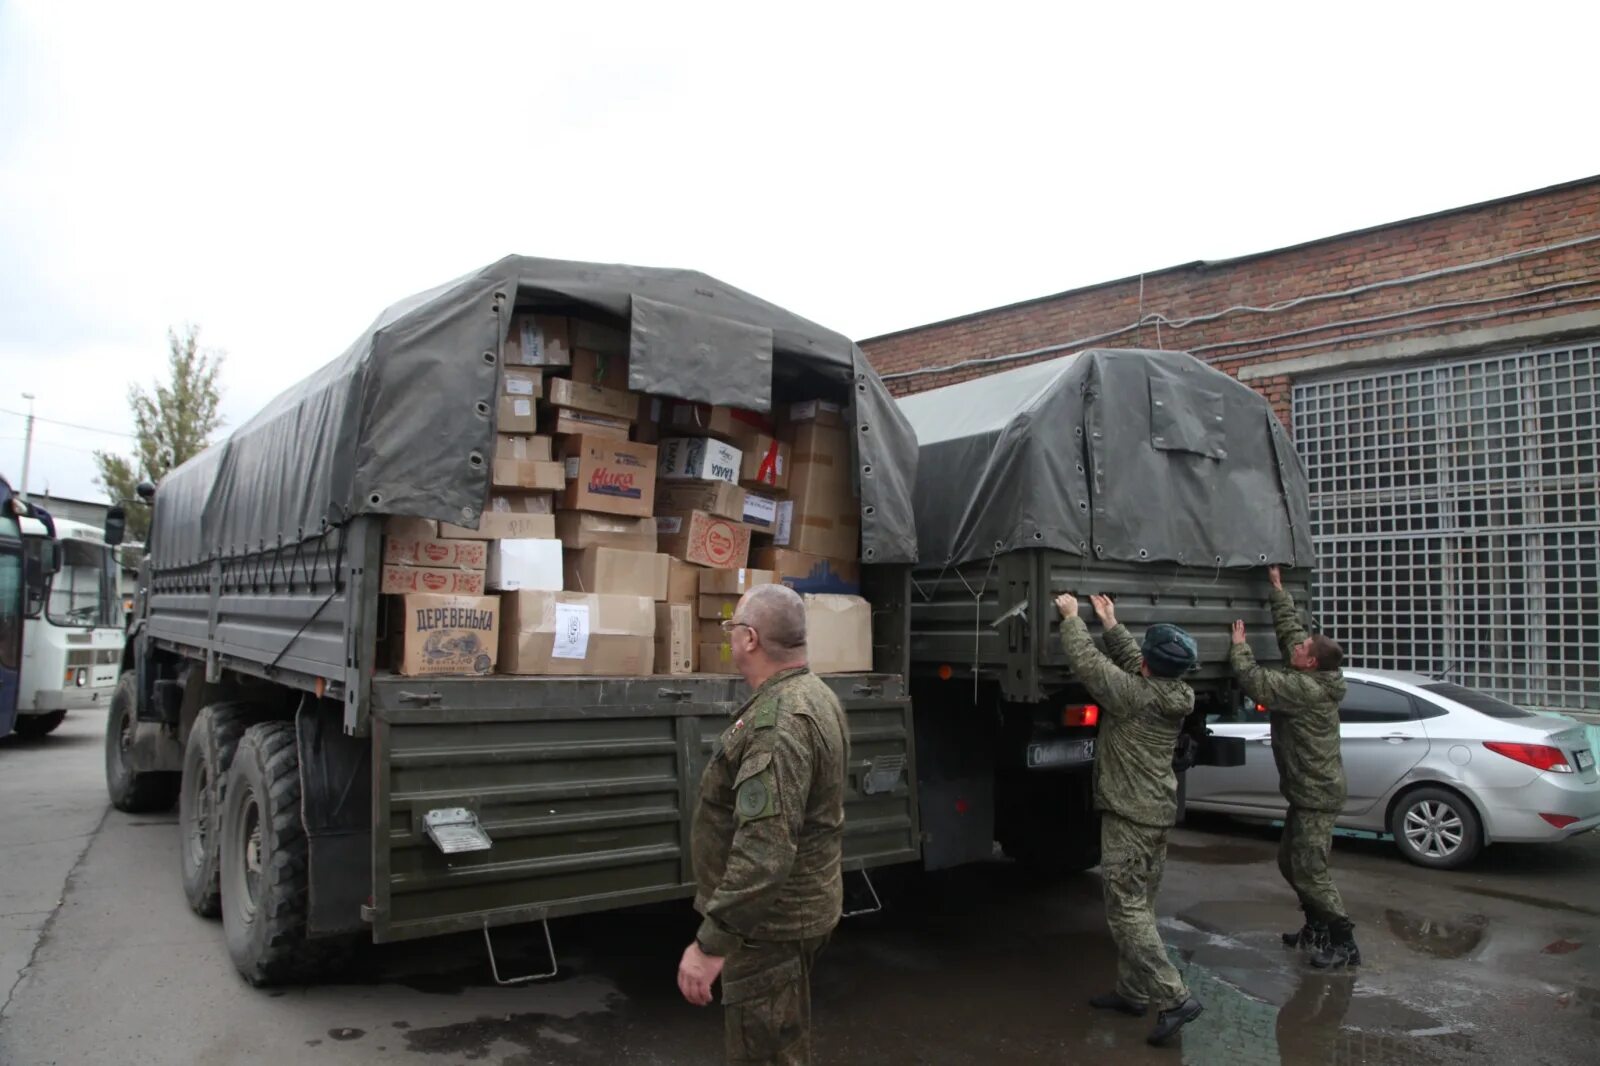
778, 614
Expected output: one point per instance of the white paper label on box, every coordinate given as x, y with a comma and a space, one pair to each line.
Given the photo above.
519, 386
522, 408
519, 447
532, 344
777, 464
668, 527
783, 523
760, 510
800, 412
572, 631
572, 468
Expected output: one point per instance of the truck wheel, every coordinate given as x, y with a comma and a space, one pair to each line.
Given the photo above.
130, 790
1050, 852
30, 726
206, 757
264, 861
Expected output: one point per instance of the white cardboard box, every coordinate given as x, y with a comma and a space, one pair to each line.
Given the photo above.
698, 459
515, 565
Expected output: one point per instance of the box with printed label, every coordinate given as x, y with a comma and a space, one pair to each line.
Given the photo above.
398, 579
570, 423
519, 392
712, 497
819, 412
619, 404
525, 564
675, 643
522, 447
615, 571
698, 459
575, 633
765, 463
607, 369
683, 582
728, 423
434, 551
704, 539
585, 529
607, 338
610, 476
538, 340
760, 512
525, 474
811, 573
433, 635
734, 583
838, 634
716, 658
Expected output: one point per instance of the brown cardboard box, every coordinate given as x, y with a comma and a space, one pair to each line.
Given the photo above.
434, 551
822, 515
403, 527
704, 539
820, 412
583, 529
614, 571
569, 423
724, 423
647, 424
834, 533
525, 474
811, 573
399, 579
683, 582
698, 459
713, 497
517, 502
675, 643
525, 564
609, 370
716, 659
716, 608
522, 447
608, 338
580, 396
520, 390
733, 583
575, 633
609, 476
507, 525
709, 631
444, 634
538, 340
838, 634
765, 463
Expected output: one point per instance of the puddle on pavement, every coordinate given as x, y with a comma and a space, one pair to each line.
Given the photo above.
1532, 901
1454, 939
1217, 854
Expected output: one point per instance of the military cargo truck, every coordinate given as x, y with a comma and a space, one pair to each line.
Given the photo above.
1145, 475
325, 797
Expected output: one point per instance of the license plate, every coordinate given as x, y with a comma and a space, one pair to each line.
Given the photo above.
1056, 753
1585, 759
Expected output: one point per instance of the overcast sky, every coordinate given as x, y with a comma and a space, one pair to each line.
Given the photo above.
278, 174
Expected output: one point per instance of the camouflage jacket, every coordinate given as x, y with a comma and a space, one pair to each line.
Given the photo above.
769, 825
1139, 722
1304, 707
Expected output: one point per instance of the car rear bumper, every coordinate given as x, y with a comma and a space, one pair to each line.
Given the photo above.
1514, 815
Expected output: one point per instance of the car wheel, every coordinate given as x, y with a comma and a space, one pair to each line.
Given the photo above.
1437, 828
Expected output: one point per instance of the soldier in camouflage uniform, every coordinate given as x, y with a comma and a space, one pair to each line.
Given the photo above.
767, 839
1304, 705
1142, 707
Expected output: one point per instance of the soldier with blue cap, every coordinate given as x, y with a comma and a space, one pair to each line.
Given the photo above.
1143, 702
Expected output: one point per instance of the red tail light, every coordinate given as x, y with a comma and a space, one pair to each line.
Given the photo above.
1086, 715
1560, 821
1538, 756
1261, 708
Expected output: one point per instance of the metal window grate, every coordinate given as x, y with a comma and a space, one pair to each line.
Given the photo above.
1456, 513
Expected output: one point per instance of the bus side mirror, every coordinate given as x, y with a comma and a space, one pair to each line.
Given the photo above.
52, 557
116, 526
146, 491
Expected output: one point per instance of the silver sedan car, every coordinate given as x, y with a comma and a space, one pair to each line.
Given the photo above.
1443, 769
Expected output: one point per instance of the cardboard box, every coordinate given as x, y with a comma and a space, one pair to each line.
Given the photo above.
519, 391
727, 423
834, 533
704, 539
709, 631
574, 633
716, 608
716, 659
609, 370
462, 554
516, 502
538, 340
683, 582
525, 564
609, 476
698, 459
733, 582
838, 634
615, 571
675, 639
569, 423
607, 338
432, 635
506, 525
399, 579
619, 404
819, 412
521, 446
526, 474
579, 530
405, 527
647, 423
765, 463
811, 573
760, 512
713, 497
822, 515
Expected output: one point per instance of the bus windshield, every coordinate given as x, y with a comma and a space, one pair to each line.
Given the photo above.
84, 592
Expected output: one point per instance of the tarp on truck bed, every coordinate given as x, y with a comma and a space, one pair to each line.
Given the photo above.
1110, 454
403, 422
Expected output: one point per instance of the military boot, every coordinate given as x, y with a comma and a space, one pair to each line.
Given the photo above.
1340, 949
1168, 1022
1313, 936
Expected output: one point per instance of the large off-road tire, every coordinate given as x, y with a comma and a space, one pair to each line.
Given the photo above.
129, 790
264, 864
33, 726
209, 752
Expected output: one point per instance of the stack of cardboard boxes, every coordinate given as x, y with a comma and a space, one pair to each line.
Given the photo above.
619, 540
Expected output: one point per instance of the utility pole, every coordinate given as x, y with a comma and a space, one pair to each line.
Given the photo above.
27, 446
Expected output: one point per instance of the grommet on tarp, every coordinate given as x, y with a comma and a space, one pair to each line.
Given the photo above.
1143, 554
869, 553
488, 357
482, 409
475, 459
469, 512
866, 470
375, 499
869, 510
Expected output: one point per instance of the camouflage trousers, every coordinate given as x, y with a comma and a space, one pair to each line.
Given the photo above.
766, 1001
1303, 860
1132, 860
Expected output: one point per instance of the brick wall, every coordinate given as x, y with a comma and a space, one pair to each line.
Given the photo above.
1475, 293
